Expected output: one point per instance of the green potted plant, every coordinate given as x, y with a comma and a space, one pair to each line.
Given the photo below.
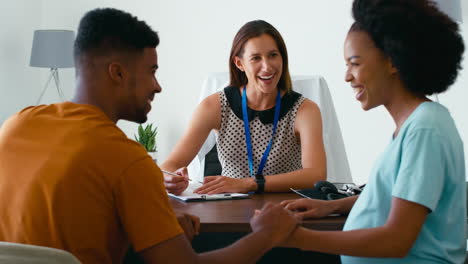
147, 138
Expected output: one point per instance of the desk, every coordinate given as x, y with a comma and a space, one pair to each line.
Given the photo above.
234, 215
224, 222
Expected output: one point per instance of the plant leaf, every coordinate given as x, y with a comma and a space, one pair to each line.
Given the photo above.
147, 137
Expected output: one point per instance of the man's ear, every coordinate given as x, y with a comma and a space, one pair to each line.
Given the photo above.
116, 72
238, 63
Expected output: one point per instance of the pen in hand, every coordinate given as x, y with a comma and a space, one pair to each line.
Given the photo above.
173, 174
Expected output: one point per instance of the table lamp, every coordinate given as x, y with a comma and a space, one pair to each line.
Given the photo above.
52, 49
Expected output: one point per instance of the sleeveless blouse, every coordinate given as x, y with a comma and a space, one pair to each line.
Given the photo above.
285, 154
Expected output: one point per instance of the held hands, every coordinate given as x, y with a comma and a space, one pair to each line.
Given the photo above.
190, 224
177, 184
222, 184
276, 221
308, 208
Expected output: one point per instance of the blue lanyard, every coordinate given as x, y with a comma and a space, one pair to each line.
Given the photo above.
247, 132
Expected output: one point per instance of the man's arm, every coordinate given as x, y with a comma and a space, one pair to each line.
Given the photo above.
178, 250
270, 227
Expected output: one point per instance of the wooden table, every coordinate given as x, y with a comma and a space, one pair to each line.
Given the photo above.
224, 222
234, 215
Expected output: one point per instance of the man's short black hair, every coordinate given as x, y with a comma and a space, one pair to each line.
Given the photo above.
105, 30
423, 43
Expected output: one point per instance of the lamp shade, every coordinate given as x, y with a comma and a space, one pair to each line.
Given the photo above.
52, 49
452, 8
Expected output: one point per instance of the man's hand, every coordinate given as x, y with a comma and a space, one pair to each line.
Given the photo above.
177, 184
223, 184
190, 224
276, 221
308, 208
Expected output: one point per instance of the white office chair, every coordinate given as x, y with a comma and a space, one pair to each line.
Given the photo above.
14, 253
312, 87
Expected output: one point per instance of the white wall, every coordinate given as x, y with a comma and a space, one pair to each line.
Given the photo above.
18, 20
196, 38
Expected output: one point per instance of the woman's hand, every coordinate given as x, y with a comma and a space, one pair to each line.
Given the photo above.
177, 184
309, 208
222, 184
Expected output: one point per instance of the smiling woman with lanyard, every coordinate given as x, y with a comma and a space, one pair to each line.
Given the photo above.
269, 138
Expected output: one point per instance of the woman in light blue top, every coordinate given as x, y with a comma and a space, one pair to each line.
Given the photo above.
413, 209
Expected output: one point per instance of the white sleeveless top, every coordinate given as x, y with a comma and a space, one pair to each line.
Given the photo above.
285, 153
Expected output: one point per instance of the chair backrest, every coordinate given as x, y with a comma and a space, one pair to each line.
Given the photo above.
312, 87
14, 253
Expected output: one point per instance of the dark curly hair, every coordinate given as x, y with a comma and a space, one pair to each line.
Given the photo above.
423, 43
105, 30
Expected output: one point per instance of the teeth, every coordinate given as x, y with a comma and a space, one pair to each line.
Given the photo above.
266, 77
357, 90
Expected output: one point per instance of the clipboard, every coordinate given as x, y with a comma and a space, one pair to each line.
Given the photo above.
189, 196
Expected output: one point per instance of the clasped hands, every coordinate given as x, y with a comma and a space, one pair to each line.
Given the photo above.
277, 221
273, 220
282, 219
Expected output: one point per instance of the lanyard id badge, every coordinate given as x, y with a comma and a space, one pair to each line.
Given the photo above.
247, 133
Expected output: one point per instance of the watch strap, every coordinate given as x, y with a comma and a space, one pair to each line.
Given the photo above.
260, 180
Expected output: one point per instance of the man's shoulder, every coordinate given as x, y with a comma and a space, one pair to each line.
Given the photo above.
24, 113
115, 140
60, 112
82, 129
89, 128
106, 138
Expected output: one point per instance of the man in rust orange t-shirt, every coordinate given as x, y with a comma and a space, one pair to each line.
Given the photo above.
71, 179
68, 174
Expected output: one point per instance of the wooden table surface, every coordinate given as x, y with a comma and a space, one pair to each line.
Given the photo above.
234, 215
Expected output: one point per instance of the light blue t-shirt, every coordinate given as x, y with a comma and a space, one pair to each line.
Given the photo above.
424, 164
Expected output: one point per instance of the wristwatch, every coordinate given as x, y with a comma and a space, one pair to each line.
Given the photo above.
260, 180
